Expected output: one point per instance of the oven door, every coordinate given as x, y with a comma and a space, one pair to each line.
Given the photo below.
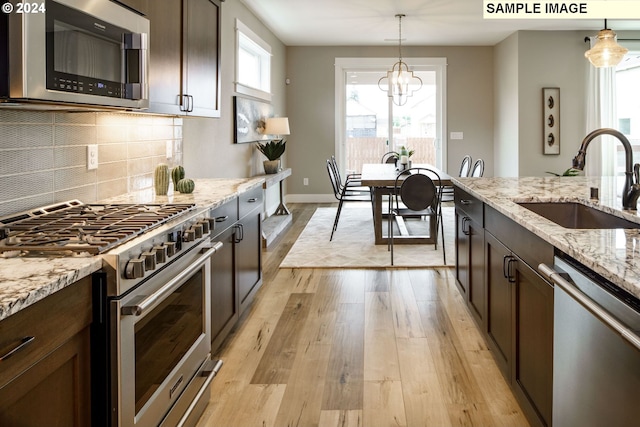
160, 339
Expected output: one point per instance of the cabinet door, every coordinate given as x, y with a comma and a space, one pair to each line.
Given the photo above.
499, 315
224, 304
462, 252
249, 258
165, 56
476, 290
202, 58
56, 391
533, 364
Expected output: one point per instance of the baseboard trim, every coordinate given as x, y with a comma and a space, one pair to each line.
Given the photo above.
310, 198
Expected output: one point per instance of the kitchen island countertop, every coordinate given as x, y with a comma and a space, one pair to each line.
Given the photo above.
613, 253
25, 280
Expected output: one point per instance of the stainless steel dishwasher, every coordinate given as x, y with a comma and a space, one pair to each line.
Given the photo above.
596, 349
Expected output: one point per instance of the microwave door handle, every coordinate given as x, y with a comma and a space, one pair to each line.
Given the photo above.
135, 65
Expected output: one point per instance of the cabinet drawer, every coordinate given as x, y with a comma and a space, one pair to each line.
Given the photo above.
469, 205
250, 200
51, 322
225, 216
530, 248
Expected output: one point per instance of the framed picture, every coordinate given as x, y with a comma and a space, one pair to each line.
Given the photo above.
551, 120
249, 119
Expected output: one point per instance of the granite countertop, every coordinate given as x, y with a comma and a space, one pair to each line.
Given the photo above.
26, 280
614, 254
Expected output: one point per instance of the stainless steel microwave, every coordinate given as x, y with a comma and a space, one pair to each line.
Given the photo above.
74, 52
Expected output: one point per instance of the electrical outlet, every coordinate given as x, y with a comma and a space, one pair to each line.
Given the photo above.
305, 181
457, 135
169, 149
92, 156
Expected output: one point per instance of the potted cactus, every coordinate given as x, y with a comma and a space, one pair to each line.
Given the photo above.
272, 151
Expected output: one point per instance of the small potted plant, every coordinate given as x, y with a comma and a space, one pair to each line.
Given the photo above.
405, 153
272, 150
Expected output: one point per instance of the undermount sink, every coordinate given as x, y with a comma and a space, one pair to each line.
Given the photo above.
576, 215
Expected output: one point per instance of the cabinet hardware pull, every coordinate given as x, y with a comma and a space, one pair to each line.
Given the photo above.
507, 261
252, 200
222, 218
23, 343
512, 277
465, 202
505, 273
465, 221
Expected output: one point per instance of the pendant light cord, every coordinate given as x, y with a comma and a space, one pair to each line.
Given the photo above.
400, 15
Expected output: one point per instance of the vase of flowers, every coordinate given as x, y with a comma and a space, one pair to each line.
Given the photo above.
272, 150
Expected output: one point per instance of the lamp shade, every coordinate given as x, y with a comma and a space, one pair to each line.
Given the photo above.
606, 52
277, 126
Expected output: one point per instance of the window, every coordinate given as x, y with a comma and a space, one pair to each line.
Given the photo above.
253, 64
368, 124
627, 106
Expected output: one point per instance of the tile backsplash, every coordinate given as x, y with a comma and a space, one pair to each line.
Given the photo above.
44, 155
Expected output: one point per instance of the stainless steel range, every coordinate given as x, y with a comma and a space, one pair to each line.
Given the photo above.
151, 338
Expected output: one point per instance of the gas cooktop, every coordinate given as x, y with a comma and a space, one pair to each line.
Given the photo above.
78, 227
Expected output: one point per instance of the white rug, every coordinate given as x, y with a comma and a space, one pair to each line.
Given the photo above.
353, 243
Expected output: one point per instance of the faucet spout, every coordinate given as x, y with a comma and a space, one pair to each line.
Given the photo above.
630, 192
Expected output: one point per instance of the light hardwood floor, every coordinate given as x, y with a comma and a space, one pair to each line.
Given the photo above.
338, 347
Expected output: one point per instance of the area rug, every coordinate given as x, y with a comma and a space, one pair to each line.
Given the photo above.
353, 243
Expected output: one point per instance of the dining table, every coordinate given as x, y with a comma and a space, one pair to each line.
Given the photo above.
381, 178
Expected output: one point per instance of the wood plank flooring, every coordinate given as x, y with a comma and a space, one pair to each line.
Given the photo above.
361, 348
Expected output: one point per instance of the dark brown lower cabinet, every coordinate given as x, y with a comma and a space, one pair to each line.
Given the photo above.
236, 269
224, 301
520, 313
47, 382
532, 368
249, 258
520, 328
499, 303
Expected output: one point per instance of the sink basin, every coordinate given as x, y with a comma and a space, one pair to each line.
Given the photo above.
576, 215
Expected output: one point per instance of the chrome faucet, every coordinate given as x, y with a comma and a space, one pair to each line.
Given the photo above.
630, 191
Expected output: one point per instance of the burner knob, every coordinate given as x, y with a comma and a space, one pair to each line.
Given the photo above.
161, 254
189, 235
171, 248
149, 260
197, 230
134, 269
206, 225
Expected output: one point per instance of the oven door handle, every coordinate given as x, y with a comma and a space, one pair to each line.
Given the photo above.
150, 301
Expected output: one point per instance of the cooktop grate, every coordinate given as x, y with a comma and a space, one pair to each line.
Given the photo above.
74, 226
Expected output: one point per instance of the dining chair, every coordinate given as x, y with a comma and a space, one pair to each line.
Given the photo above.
478, 169
465, 168
389, 157
347, 191
418, 194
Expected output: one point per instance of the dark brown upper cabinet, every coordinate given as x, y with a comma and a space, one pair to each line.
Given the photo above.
184, 59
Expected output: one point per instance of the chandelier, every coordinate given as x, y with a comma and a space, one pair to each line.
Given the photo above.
399, 78
606, 52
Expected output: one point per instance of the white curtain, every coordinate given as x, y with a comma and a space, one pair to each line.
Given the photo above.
601, 113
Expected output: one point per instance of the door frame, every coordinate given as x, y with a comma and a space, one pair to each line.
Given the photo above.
342, 65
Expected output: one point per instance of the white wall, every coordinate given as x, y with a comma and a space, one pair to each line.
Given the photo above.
505, 149
310, 104
209, 151
550, 59
526, 62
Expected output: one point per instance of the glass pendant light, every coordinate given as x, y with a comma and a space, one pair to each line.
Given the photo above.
399, 78
606, 52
